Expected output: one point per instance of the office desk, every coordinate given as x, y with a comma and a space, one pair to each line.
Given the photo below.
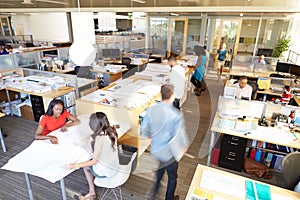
64, 71
265, 134
277, 193
46, 160
248, 74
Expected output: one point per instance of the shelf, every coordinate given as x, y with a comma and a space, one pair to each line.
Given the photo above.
268, 150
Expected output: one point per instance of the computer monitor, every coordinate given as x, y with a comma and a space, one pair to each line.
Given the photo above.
295, 70
110, 53
283, 67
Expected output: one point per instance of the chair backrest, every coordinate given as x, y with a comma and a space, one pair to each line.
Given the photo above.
126, 61
119, 178
290, 169
254, 86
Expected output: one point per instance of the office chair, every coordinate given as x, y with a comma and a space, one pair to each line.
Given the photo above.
290, 169
126, 61
2, 137
115, 182
254, 86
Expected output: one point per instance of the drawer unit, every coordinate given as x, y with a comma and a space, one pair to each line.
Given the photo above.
232, 152
37, 107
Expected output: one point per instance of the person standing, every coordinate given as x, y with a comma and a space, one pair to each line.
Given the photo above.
221, 56
161, 124
177, 78
197, 79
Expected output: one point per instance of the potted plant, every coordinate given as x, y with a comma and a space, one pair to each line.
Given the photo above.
282, 45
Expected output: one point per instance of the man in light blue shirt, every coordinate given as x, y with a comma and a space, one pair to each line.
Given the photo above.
161, 123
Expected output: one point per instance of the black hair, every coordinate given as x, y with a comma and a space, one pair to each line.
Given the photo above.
52, 104
100, 126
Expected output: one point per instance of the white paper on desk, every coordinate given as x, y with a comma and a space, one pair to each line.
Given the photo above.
227, 124
280, 197
223, 183
273, 135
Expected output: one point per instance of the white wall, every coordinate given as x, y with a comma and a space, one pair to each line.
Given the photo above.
20, 24
83, 27
49, 27
43, 26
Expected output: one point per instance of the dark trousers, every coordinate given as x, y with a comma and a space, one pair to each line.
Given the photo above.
198, 84
171, 167
176, 103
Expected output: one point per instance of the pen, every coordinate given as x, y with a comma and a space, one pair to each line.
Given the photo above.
296, 138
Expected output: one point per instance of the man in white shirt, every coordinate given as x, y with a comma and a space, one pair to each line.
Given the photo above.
177, 78
260, 60
243, 91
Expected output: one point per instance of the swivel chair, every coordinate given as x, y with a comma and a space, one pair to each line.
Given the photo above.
115, 182
254, 86
290, 169
2, 137
126, 61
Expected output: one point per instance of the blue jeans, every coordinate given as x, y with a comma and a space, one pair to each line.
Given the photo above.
171, 167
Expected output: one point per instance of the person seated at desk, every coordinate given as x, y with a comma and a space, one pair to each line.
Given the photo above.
55, 118
243, 91
260, 60
105, 161
3, 51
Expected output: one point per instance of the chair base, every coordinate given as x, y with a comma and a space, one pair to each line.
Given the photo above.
112, 190
2, 141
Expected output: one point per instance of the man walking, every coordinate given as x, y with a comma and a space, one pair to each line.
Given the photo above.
162, 123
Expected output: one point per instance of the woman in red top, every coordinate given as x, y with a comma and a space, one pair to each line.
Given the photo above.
56, 117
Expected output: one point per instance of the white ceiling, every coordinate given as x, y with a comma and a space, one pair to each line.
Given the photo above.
152, 5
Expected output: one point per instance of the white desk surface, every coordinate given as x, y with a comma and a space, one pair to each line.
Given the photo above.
46, 160
265, 134
277, 193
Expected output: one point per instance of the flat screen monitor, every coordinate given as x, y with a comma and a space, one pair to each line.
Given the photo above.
283, 67
111, 53
295, 70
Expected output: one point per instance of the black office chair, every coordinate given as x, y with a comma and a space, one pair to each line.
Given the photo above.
126, 61
254, 86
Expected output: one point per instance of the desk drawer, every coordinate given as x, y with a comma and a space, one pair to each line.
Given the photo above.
232, 152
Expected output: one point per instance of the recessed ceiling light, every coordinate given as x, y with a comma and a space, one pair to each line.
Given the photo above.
241, 14
139, 1
174, 14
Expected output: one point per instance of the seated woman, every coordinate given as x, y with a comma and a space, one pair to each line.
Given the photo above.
56, 117
105, 161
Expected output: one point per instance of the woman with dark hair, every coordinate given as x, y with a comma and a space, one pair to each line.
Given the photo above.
56, 117
197, 78
105, 161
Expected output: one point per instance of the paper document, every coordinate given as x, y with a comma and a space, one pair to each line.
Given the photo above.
222, 183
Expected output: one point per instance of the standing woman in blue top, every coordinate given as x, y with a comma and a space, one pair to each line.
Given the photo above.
222, 55
197, 78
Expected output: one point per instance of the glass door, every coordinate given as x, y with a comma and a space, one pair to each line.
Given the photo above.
177, 36
224, 30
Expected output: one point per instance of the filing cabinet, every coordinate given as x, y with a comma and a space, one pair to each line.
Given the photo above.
232, 152
37, 107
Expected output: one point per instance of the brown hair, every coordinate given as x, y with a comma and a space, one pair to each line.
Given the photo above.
100, 126
166, 91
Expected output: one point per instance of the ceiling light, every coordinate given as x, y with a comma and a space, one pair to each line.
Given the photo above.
55, 2
139, 1
174, 14
241, 14
27, 2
